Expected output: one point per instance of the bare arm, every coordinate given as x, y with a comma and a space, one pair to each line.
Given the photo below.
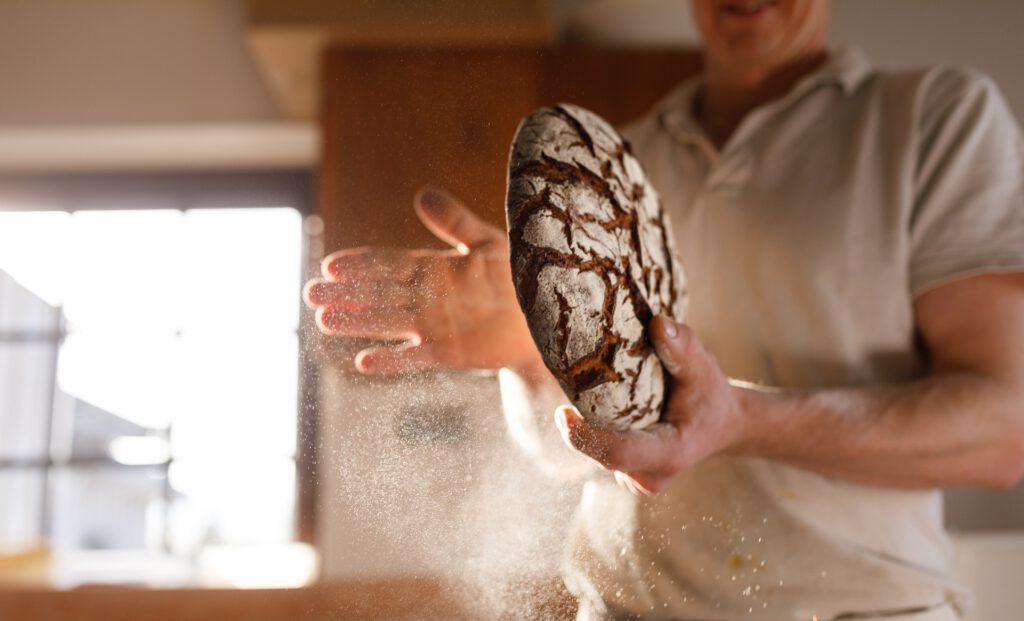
963, 425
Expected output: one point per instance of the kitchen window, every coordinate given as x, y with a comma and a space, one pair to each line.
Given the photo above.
150, 374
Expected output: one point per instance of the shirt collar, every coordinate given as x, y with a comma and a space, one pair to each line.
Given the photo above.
846, 67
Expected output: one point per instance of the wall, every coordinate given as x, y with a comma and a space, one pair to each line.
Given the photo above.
981, 33
128, 67
152, 61
896, 33
127, 61
98, 85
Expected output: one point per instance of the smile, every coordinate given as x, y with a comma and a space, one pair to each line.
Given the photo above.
750, 7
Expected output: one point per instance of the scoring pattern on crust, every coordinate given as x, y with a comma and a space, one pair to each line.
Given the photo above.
592, 262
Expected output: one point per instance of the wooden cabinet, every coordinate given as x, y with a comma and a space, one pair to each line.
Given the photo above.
396, 119
391, 600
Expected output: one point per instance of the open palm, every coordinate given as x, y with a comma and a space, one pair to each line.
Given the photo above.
453, 308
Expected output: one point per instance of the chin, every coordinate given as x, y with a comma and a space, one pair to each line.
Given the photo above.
752, 51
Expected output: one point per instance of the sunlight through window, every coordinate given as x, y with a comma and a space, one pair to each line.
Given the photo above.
153, 358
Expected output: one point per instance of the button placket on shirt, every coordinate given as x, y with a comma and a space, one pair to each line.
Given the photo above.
733, 166
731, 172
728, 170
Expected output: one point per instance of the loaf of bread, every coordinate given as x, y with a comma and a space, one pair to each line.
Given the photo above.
592, 263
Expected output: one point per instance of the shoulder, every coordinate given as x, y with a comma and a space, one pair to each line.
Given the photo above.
944, 94
951, 83
938, 82
929, 89
941, 107
960, 109
946, 89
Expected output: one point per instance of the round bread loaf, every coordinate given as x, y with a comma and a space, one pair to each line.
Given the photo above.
592, 263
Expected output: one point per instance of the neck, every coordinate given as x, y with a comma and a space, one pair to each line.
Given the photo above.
730, 94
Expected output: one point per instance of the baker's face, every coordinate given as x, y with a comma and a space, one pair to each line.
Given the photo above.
761, 34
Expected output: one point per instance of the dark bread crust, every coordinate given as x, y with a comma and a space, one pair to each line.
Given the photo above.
592, 263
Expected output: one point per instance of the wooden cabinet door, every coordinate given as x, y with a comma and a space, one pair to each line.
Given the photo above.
398, 119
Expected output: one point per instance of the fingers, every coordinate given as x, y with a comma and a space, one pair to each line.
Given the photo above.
395, 360
651, 450
680, 350
357, 294
375, 323
630, 484
646, 483
453, 222
669, 342
578, 436
641, 483
376, 292
394, 265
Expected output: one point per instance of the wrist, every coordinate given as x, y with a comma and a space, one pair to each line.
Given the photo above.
751, 409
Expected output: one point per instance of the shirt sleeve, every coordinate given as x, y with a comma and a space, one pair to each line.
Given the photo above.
968, 210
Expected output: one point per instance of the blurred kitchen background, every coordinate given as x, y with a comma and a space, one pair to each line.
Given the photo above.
176, 441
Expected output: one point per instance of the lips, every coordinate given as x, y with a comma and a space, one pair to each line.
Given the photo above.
749, 8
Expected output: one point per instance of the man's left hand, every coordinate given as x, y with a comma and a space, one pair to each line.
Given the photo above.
703, 417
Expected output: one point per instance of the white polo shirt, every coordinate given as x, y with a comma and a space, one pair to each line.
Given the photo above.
804, 241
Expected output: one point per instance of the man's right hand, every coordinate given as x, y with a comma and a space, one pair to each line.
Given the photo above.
455, 308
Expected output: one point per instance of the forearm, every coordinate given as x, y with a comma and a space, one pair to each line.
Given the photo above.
952, 429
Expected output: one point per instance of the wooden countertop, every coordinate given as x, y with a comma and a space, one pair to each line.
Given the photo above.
386, 599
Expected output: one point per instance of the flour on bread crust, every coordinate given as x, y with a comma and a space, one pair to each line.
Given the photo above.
592, 263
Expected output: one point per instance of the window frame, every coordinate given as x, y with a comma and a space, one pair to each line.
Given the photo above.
185, 190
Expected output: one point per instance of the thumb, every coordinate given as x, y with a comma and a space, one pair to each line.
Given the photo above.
453, 222
671, 342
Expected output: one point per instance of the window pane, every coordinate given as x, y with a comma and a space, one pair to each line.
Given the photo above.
181, 340
125, 271
133, 378
243, 269
106, 508
237, 397
26, 386
222, 501
22, 311
34, 247
21, 504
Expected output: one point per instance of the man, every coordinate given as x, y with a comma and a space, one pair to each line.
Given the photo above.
854, 249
